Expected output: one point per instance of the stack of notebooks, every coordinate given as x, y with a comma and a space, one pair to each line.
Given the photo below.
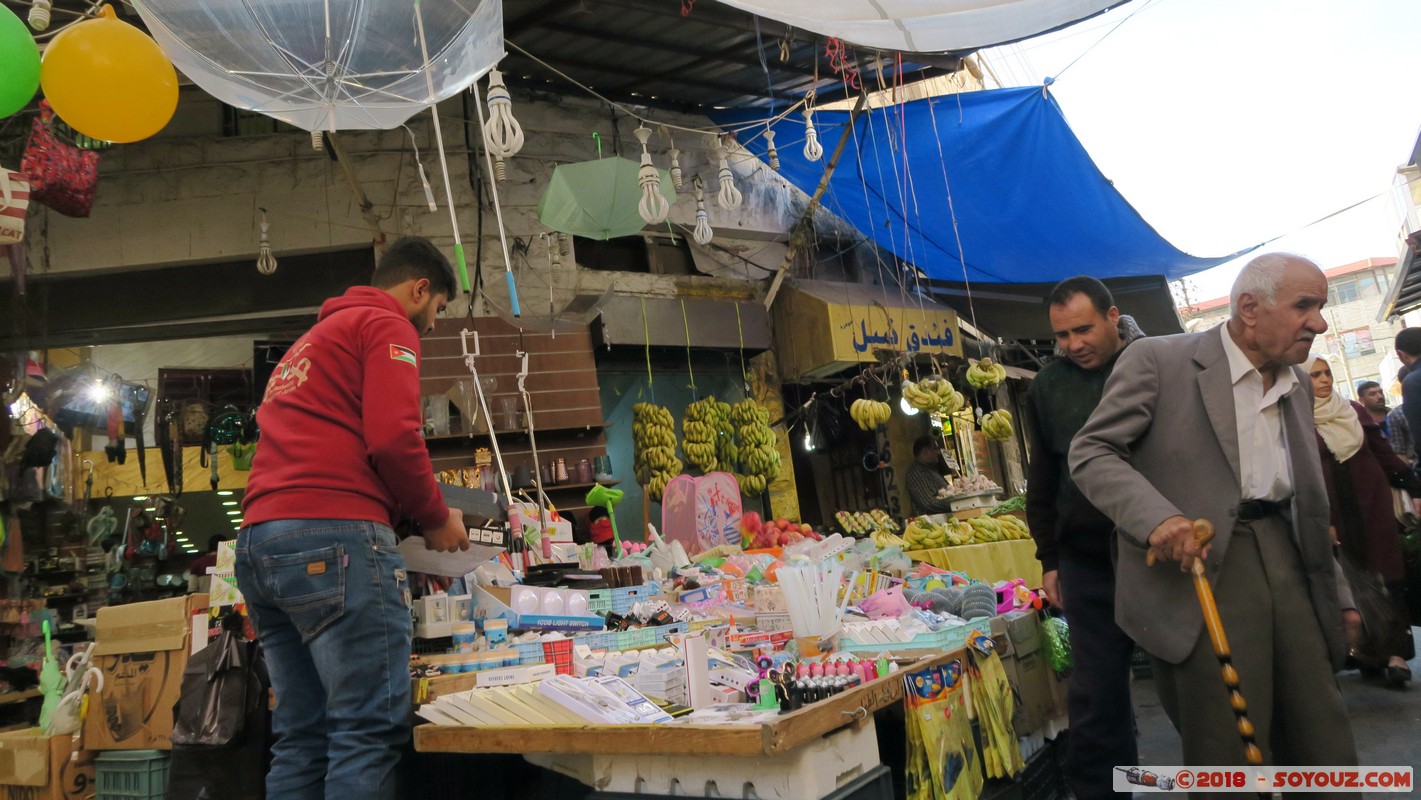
559, 700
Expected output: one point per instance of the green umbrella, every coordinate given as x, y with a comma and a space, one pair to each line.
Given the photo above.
597, 199
51, 683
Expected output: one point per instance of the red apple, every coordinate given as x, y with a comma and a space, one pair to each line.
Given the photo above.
806, 528
782, 522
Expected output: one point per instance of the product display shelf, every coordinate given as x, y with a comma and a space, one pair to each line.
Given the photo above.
783, 734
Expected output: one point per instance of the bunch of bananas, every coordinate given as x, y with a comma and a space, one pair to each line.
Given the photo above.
869, 414
996, 426
698, 435
934, 394
725, 450
884, 539
924, 535
985, 374
759, 459
654, 440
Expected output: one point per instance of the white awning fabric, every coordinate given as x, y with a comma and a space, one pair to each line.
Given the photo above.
926, 26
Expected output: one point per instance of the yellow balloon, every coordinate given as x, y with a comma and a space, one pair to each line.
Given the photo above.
109, 80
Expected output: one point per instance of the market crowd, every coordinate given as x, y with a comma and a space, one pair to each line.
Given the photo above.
1144, 445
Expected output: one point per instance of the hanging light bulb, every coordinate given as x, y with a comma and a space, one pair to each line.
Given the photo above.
266, 262
702, 234
318, 140
676, 178
653, 206
730, 196
565, 239
907, 407
812, 149
770, 150
39, 14
808, 440
503, 135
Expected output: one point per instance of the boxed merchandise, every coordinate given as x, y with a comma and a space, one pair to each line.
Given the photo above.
38, 767
142, 649
1031, 672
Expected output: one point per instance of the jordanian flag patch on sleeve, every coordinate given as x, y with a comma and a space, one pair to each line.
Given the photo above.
403, 354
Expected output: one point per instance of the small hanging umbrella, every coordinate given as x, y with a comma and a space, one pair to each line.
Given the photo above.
598, 199
51, 683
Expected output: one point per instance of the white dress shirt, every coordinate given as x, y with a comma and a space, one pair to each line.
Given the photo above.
1265, 471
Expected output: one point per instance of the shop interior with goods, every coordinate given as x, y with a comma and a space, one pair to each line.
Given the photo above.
677, 398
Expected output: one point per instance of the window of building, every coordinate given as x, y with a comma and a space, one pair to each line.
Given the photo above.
1344, 291
1367, 286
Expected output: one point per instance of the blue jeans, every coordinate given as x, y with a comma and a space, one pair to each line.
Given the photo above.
330, 603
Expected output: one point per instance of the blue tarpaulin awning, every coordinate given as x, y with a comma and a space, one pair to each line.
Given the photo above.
1030, 204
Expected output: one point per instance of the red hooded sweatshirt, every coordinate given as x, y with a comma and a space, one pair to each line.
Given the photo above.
341, 420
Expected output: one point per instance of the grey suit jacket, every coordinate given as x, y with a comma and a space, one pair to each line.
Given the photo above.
1164, 441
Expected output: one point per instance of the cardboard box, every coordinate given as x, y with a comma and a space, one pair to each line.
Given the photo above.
142, 649
38, 767
1030, 673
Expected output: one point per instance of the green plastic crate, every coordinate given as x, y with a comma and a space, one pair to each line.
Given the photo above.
132, 774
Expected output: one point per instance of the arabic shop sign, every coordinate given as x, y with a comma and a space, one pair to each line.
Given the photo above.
940, 338
858, 331
819, 334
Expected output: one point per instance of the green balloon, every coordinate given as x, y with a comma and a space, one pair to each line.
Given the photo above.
19, 64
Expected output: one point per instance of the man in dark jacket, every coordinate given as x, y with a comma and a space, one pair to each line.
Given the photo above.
1073, 538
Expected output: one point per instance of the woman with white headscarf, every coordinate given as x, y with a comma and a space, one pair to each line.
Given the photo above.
1360, 468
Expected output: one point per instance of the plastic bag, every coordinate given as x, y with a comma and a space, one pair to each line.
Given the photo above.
220, 684
1382, 621
942, 761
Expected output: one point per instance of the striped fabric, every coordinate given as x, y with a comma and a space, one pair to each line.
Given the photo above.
14, 202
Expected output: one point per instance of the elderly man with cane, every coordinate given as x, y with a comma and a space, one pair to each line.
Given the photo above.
1217, 427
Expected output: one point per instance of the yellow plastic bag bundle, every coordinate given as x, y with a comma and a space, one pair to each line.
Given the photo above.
942, 762
992, 700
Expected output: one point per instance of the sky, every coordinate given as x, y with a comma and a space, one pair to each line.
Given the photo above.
1230, 122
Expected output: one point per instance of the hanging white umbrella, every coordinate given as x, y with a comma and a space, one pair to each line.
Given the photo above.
329, 64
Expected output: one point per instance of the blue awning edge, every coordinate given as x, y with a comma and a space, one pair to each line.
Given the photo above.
1030, 204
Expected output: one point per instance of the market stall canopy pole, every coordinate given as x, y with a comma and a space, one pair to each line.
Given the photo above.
808, 215
1029, 204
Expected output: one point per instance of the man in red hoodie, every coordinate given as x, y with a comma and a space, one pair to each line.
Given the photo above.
341, 460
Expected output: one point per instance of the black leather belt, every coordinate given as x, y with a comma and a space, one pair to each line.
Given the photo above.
1254, 510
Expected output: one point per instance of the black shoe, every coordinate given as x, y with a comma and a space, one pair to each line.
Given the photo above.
1398, 677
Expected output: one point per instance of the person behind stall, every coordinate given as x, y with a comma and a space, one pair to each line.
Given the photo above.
926, 485
1360, 468
1073, 537
341, 461
1398, 431
599, 523
197, 570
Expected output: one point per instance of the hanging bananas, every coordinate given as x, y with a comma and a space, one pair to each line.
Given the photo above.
759, 459
985, 374
725, 450
934, 394
997, 427
698, 435
654, 440
869, 414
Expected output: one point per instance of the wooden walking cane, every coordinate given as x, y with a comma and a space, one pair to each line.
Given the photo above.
1203, 533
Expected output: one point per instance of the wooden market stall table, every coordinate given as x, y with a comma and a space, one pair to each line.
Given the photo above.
833, 740
989, 563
